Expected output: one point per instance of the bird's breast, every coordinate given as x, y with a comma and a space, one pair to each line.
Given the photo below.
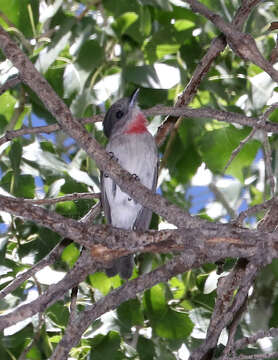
137, 154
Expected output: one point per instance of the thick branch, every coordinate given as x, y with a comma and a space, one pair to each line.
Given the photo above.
64, 226
101, 239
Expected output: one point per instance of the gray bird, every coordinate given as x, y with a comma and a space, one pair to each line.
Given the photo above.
135, 150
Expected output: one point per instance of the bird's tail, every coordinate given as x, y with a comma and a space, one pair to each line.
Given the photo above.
123, 266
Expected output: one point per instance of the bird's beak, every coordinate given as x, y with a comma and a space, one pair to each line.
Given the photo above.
133, 98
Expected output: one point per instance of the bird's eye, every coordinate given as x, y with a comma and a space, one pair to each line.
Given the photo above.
119, 114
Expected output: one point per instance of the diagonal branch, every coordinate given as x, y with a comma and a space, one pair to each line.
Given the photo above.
128, 291
81, 269
243, 44
218, 44
50, 258
10, 83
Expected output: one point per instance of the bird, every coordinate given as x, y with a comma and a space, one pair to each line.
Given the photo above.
134, 148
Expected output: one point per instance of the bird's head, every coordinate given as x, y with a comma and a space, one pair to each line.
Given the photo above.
124, 116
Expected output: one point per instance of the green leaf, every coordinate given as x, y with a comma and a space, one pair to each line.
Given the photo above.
34, 353
155, 302
15, 155
103, 283
145, 348
184, 158
7, 104
144, 76
130, 313
24, 186
123, 22
68, 209
91, 55
47, 146
117, 8
49, 54
273, 322
3, 123
166, 322
181, 25
145, 21
106, 347
16, 342
59, 314
161, 43
163, 4
165, 49
178, 287
173, 325
17, 12
217, 146
70, 254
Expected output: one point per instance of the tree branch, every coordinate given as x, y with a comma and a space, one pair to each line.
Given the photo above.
84, 266
127, 291
243, 44
70, 197
218, 44
50, 258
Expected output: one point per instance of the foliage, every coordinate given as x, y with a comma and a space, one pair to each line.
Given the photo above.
92, 53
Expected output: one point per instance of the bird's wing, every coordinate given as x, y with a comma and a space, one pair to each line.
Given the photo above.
144, 217
104, 201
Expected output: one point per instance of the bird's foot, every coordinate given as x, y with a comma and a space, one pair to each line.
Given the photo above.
112, 156
136, 177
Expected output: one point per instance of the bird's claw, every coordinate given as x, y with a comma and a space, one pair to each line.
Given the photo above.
112, 156
136, 177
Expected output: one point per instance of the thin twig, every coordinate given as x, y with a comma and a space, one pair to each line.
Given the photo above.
43, 129
253, 210
239, 344
73, 304
92, 214
239, 147
221, 198
274, 53
69, 197
242, 44
226, 316
47, 260
268, 168
10, 83
232, 328
218, 44
269, 110
273, 355
17, 110
267, 151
